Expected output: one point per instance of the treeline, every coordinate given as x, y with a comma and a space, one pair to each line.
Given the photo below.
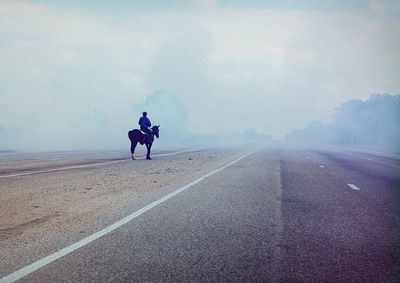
374, 123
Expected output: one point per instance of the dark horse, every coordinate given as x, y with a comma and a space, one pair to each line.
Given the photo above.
137, 136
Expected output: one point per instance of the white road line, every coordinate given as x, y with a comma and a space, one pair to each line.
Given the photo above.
89, 165
54, 256
353, 187
322, 166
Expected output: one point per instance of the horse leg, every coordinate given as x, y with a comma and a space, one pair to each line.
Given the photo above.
148, 151
133, 146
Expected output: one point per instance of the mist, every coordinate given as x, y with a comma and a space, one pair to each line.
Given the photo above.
78, 75
372, 123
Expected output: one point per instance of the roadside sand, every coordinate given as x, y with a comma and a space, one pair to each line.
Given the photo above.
34, 206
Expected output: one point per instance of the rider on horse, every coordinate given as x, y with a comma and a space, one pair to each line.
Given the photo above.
144, 135
145, 124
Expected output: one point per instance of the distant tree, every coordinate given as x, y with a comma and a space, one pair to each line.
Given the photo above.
374, 122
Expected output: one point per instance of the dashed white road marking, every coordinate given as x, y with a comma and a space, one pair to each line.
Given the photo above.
61, 253
322, 166
89, 165
353, 187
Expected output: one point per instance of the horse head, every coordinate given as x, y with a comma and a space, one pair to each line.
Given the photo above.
156, 131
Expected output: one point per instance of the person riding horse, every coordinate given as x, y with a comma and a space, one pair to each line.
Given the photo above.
143, 136
145, 124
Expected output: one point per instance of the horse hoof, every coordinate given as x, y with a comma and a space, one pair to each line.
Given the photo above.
148, 158
133, 157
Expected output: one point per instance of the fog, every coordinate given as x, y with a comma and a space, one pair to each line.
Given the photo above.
77, 75
372, 123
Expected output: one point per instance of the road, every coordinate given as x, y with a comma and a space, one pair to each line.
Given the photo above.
279, 214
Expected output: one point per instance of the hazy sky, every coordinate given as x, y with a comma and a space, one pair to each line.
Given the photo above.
77, 73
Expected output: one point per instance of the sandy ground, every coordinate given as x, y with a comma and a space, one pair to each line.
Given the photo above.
34, 208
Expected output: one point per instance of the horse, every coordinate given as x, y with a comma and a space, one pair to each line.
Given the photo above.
137, 136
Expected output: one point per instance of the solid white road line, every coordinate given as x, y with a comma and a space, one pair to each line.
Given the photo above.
353, 187
89, 165
50, 258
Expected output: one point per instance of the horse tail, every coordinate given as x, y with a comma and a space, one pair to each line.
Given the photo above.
130, 135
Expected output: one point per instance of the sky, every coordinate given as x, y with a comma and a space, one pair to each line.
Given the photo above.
78, 74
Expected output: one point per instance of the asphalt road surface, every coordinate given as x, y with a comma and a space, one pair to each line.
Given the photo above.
279, 214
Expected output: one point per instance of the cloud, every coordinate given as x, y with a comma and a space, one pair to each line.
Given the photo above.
59, 67
199, 3
269, 69
384, 8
